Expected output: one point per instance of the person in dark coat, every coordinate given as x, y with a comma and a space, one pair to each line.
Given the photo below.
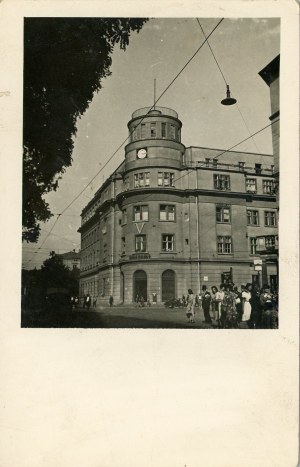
88, 301
206, 299
256, 310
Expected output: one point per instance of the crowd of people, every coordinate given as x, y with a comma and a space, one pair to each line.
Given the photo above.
228, 306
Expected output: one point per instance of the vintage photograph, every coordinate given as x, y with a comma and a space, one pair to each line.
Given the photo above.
151, 173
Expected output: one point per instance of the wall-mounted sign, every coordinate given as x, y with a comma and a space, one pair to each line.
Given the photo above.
257, 261
205, 278
258, 267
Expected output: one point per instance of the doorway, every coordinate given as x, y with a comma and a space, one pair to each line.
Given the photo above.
168, 285
139, 285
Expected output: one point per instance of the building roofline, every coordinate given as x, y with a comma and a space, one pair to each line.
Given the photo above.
104, 184
271, 71
237, 152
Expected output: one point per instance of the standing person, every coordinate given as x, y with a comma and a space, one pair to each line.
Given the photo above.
255, 317
190, 312
246, 296
232, 317
111, 300
267, 307
219, 298
214, 302
88, 301
206, 299
238, 303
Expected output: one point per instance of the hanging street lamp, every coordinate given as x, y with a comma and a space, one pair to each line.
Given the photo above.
228, 99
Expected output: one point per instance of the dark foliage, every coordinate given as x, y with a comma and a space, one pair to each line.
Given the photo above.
65, 61
54, 274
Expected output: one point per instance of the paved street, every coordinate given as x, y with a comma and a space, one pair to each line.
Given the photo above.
117, 317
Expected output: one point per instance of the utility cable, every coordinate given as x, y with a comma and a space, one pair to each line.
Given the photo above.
218, 65
157, 100
124, 141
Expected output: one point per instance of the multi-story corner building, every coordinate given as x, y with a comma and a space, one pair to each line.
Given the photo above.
173, 217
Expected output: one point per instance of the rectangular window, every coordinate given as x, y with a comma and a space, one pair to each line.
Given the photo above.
224, 245
126, 183
134, 135
253, 245
140, 243
140, 213
153, 130
168, 242
221, 182
163, 130
250, 185
166, 179
258, 169
268, 187
223, 214
270, 242
124, 216
172, 128
270, 219
123, 245
141, 179
252, 217
143, 130
167, 213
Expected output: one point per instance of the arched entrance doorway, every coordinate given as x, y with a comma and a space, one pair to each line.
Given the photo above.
168, 285
140, 285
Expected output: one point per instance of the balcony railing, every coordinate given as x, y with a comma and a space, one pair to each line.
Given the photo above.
214, 164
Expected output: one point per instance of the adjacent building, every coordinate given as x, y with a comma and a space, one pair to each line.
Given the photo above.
173, 217
71, 259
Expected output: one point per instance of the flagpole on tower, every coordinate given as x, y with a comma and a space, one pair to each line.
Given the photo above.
154, 92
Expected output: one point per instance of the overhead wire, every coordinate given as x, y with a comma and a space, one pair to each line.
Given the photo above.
178, 178
204, 164
190, 171
219, 67
124, 141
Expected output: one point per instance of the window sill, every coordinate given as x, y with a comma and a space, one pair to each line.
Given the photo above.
222, 189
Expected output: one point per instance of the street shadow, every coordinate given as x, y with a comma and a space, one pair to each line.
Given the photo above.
93, 319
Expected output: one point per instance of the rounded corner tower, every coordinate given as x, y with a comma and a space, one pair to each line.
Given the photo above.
155, 139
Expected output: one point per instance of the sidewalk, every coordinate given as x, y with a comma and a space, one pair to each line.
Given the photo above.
122, 317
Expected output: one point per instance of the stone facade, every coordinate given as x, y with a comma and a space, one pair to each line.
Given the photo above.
172, 218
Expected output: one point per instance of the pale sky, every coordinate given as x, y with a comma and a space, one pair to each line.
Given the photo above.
242, 47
